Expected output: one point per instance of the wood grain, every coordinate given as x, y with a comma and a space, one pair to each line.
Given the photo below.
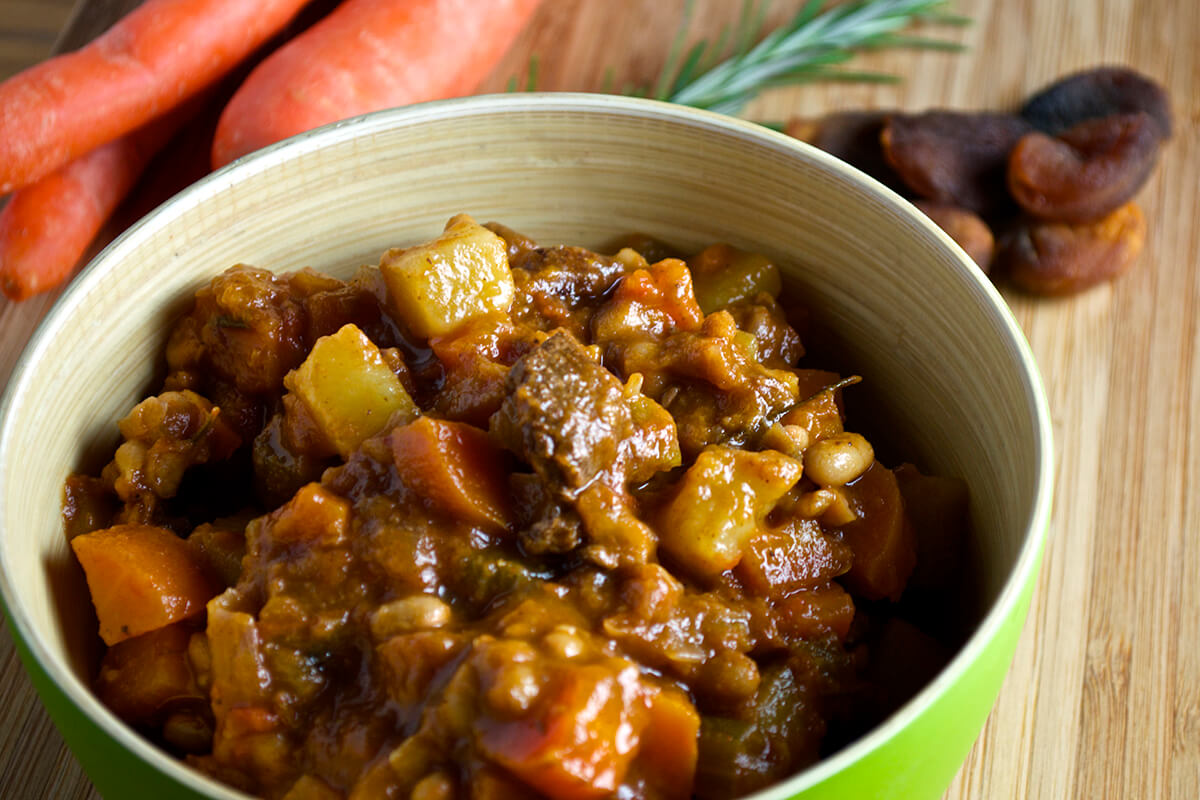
1103, 699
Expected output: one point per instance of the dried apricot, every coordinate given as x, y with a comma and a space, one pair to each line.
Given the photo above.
852, 136
1088, 171
1054, 258
966, 228
953, 157
1096, 93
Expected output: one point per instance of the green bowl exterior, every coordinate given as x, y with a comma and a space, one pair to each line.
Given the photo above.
921, 760
115, 771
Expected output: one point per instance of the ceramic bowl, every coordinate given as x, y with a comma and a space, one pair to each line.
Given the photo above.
914, 314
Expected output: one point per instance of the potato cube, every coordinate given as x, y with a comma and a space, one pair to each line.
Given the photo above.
720, 503
435, 288
349, 389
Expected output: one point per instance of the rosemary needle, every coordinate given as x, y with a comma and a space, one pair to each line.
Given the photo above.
809, 47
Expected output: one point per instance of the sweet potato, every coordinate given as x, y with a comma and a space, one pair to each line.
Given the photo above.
142, 578
816, 612
139, 677
577, 743
882, 537
667, 757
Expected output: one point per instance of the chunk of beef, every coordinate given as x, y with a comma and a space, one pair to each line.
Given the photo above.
560, 287
586, 436
566, 416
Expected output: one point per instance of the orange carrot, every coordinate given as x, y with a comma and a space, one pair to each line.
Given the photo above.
365, 56
142, 578
458, 468
47, 226
668, 753
150, 61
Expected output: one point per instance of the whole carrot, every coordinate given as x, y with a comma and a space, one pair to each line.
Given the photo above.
47, 225
365, 56
151, 60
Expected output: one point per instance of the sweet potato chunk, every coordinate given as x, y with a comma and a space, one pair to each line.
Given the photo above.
882, 537
579, 740
315, 516
667, 758
799, 555
719, 505
816, 612
435, 288
458, 468
349, 389
141, 578
140, 676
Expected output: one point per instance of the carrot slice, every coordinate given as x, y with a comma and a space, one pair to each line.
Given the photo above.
141, 579
457, 467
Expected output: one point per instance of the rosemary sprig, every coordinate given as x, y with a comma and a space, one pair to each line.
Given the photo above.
807, 48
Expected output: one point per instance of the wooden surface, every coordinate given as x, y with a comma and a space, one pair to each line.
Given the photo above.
1103, 699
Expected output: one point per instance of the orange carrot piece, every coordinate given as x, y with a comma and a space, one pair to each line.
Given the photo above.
140, 677
47, 226
667, 757
141, 579
365, 56
457, 467
816, 612
579, 742
315, 515
150, 61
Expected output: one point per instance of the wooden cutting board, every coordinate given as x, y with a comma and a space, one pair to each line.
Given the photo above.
1103, 700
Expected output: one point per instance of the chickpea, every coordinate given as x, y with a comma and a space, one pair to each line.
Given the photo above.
420, 612
514, 690
564, 641
791, 440
839, 459
839, 511
188, 731
437, 786
813, 504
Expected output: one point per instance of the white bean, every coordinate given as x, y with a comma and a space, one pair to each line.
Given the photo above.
420, 612
837, 460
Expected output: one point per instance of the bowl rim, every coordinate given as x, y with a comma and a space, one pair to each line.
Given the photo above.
1022, 573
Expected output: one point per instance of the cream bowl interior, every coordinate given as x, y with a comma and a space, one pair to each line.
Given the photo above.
916, 316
